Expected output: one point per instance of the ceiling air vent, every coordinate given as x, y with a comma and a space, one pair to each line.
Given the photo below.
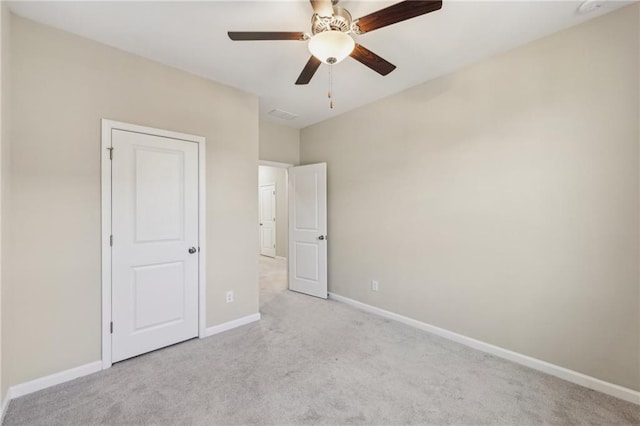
283, 114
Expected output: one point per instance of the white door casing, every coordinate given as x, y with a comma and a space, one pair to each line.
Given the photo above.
268, 220
308, 229
153, 199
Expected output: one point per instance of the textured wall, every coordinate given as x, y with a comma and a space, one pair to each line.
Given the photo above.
501, 201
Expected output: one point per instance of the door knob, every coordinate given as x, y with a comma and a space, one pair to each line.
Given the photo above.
192, 250
321, 237
260, 224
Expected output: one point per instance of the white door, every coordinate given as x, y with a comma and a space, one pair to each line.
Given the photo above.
155, 242
268, 220
308, 229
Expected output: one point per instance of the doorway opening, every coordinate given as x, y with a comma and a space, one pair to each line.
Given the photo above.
273, 205
293, 229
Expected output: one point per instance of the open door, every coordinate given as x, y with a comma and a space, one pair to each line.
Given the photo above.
308, 229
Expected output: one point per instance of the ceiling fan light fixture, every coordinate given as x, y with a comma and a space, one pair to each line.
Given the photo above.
332, 46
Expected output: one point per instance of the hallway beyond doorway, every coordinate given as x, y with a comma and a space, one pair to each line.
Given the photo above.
273, 277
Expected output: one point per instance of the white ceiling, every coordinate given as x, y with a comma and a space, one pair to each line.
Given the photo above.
193, 36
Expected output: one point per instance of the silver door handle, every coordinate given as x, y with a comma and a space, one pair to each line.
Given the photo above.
322, 237
192, 250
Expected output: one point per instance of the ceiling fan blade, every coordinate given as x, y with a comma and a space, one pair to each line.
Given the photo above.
373, 61
309, 70
322, 7
396, 13
265, 35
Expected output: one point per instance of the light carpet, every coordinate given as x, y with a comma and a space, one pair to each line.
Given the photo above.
311, 361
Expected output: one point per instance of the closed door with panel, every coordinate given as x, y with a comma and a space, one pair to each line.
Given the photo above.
268, 220
155, 242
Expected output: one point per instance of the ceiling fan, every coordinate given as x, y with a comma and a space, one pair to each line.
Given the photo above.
331, 28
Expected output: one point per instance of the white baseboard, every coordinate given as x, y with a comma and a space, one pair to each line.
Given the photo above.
231, 324
552, 369
5, 405
54, 379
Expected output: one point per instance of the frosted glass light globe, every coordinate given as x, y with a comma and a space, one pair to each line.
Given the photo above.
332, 46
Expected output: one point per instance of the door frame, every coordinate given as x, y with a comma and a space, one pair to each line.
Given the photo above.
107, 127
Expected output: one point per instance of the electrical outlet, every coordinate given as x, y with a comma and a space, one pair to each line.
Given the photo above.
230, 296
374, 285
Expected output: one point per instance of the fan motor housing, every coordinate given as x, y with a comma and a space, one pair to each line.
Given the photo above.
340, 21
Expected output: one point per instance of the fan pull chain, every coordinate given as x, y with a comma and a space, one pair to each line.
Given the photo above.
331, 86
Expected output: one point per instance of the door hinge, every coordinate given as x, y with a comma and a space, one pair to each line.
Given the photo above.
111, 240
110, 153
111, 327
274, 192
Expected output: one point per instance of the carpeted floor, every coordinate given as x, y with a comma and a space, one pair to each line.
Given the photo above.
311, 361
273, 278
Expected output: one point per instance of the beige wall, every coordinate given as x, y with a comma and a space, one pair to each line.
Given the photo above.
62, 86
279, 143
501, 202
268, 175
5, 27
